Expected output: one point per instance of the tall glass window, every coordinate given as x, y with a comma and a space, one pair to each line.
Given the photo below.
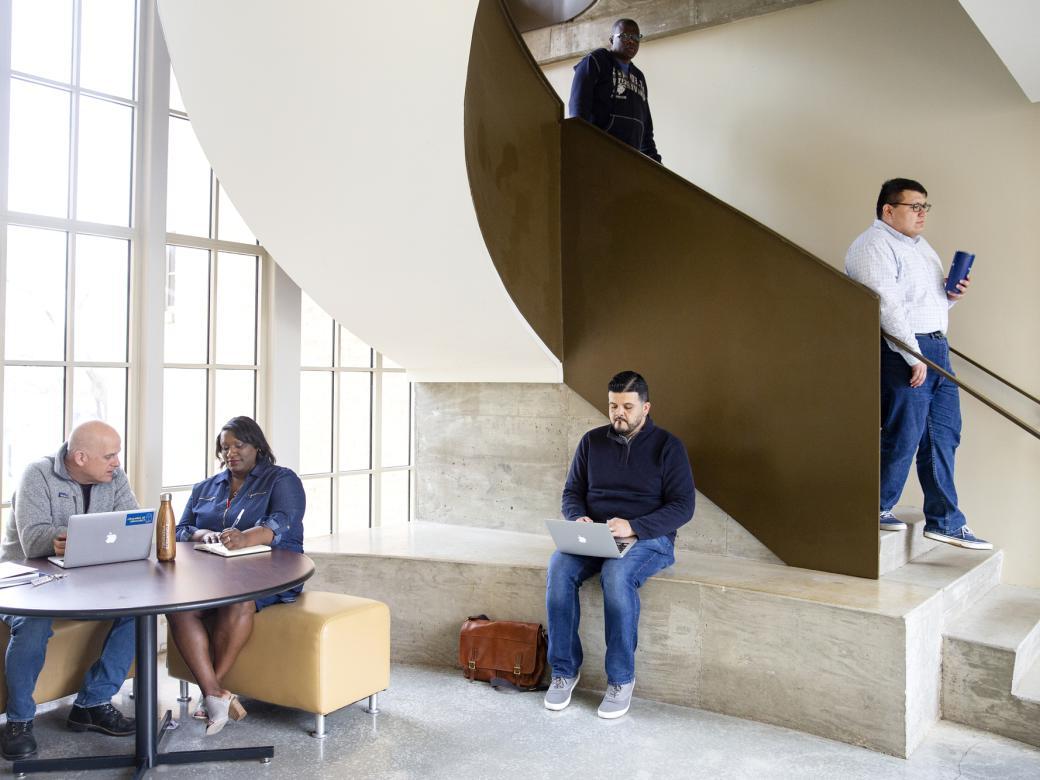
212, 311
355, 426
79, 147
65, 223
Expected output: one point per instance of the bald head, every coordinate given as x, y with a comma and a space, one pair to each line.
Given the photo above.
93, 452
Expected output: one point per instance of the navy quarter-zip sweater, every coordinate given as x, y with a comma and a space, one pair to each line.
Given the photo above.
646, 480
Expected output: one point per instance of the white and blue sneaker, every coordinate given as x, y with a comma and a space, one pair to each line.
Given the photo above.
559, 694
962, 537
616, 700
889, 522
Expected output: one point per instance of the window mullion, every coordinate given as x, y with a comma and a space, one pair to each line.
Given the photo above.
376, 438
258, 331
70, 335
211, 351
5, 110
73, 178
145, 400
5, 124
337, 391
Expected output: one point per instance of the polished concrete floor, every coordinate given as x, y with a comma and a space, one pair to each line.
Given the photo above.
434, 724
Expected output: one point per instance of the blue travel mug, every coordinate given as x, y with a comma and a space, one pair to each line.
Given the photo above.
959, 269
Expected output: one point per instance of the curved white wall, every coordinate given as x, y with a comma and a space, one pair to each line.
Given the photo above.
336, 128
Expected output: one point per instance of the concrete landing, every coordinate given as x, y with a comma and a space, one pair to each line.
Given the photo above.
991, 665
845, 658
962, 577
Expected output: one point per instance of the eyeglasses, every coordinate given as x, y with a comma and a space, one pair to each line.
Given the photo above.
628, 37
917, 208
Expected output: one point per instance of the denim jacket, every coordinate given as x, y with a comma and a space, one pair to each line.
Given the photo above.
271, 497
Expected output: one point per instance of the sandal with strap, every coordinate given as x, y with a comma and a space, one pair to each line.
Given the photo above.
220, 709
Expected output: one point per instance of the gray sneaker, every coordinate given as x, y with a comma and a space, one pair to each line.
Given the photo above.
616, 700
559, 694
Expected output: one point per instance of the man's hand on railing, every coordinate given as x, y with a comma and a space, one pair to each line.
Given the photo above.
962, 288
918, 372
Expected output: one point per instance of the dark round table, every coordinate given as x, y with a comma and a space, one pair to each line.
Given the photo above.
145, 589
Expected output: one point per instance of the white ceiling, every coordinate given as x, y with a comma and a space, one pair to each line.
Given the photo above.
336, 127
1012, 28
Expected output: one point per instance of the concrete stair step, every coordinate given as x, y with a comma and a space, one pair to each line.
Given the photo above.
1007, 619
897, 548
1029, 687
962, 576
846, 658
991, 665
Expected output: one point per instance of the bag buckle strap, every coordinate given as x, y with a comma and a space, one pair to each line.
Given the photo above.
516, 665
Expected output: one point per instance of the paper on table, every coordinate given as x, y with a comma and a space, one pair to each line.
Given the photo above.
19, 579
11, 569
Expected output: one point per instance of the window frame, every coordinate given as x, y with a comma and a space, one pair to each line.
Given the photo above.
70, 225
376, 371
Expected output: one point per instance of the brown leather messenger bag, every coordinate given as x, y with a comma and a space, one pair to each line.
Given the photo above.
505, 653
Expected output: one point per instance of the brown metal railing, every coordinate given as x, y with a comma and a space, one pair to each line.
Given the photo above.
996, 376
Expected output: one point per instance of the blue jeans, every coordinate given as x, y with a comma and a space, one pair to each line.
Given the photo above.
925, 421
28, 648
620, 579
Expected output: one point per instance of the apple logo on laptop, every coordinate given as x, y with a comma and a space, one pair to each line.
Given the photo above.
111, 538
582, 539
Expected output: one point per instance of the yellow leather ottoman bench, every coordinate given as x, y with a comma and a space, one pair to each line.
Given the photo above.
73, 649
333, 649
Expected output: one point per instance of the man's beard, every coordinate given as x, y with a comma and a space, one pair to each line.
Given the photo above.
624, 428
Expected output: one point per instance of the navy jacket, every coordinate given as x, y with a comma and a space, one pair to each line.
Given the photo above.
646, 480
604, 95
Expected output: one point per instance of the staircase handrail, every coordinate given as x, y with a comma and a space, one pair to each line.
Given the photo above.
967, 388
996, 376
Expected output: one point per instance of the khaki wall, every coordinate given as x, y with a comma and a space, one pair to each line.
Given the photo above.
796, 118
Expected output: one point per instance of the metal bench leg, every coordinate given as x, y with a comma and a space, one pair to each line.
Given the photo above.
319, 727
184, 692
373, 704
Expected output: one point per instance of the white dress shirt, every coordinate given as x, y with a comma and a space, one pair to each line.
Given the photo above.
907, 275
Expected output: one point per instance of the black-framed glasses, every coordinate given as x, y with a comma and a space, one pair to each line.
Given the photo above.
917, 208
629, 37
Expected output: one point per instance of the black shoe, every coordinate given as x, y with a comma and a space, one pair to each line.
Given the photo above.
104, 718
17, 740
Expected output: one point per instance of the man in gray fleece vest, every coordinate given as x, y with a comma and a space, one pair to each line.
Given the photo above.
83, 477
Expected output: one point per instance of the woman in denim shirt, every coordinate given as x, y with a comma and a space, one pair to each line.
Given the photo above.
251, 502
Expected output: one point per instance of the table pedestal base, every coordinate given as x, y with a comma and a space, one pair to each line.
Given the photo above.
149, 734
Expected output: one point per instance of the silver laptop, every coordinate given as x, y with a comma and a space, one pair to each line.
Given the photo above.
108, 537
592, 539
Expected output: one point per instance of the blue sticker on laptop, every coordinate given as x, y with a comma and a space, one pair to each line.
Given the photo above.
140, 518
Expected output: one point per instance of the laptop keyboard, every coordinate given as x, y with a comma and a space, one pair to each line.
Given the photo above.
621, 546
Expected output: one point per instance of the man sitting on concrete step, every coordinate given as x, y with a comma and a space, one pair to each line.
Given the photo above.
636, 478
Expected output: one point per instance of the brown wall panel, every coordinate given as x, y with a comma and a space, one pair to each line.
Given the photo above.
512, 134
761, 357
